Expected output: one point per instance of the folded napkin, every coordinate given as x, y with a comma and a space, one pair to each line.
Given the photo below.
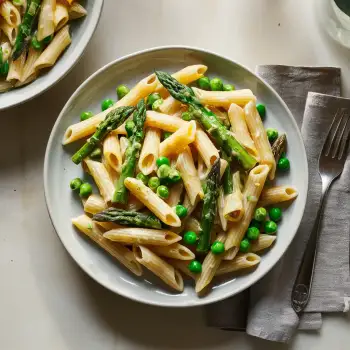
265, 311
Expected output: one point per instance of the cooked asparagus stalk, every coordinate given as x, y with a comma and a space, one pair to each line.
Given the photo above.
223, 137
113, 120
25, 28
279, 146
209, 207
132, 153
128, 218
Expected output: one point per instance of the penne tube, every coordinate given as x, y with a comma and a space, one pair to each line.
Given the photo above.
233, 207
206, 148
154, 203
240, 262
259, 136
124, 143
224, 98
175, 194
94, 204
5, 85
170, 105
61, 16
102, 179
221, 115
264, 241
87, 127
10, 14
192, 224
159, 267
9, 31
125, 256
189, 175
178, 141
174, 251
28, 72
46, 25
112, 153
16, 68
56, 47
76, 11
203, 170
134, 204
277, 194
182, 265
223, 166
163, 121
253, 187
240, 129
220, 208
135, 235
150, 151
107, 226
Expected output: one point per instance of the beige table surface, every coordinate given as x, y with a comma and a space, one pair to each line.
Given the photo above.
46, 301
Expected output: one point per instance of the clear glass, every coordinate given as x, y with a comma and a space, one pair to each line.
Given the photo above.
334, 17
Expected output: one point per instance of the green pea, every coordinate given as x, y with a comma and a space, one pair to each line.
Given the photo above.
162, 160
151, 99
180, 211
244, 245
96, 153
217, 247
107, 103
122, 90
163, 192
261, 109
48, 39
75, 184
174, 176
153, 183
190, 238
36, 44
283, 164
195, 266
255, 223
216, 84
85, 190
129, 127
144, 178
272, 134
186, 116
85, 115
228, 87
253, 233
270, 227
156, 104
260, 214
275, 214
204, 83
163, 171
4, 68
166, 134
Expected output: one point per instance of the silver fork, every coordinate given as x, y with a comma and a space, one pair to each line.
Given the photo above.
330, 166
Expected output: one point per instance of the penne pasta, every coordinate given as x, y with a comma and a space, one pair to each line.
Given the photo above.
94, 204
174, 251
5, 85
28, 73
233, 207
163, 121
46, 25
16, 68
10, 14
220, 208
206, 148
175, 194
134, 204
154, 203
170, 105
277, 194
159, 267
150, 151
264, 241
61, 16
112, 153
76, 11
9, 31
182, 265
240, 262
124, 143
192, 224
125, 256
203, 170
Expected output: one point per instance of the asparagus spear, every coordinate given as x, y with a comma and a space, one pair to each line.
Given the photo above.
113, 120
279, 146
128, 218
223, 137
25, 28
131, 153
209, 207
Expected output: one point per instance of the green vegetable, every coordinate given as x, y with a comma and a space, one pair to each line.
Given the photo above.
47, 40
217, 247
163, 171
229, 87
85, 115
227, 182
96, 153
223, 137
122, 90
253, 233
209, 207
261, 109
195, 266
4, 68
270, 227
180, 211
131, 154
129, 127
107, 103
204, 83
152, 98
174, 176
279, 147
25, 28
162, 161
190, 238
128, 218
272, 134
18, 2
244, 246
260, 214
255, 223
156, 104
113, 119
153, 183
216, 84
75, 184
163, 192
186, 116
36, 44
166, 134
144, 178
283, 164
275, 214
85, 190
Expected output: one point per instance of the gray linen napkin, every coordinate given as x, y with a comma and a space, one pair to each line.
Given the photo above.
270, 315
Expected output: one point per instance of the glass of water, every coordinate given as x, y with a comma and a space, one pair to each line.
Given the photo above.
334, 17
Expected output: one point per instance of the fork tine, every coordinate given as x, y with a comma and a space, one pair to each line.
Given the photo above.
345, 142
340, 137
329, 139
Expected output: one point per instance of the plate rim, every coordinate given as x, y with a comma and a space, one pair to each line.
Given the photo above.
200, 301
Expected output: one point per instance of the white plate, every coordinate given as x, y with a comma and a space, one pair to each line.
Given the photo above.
81, 31
59, 170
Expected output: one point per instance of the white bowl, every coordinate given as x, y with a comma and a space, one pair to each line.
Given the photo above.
81, 31
59, 170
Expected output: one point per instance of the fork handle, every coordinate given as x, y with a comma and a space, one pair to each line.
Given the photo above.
303, 282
